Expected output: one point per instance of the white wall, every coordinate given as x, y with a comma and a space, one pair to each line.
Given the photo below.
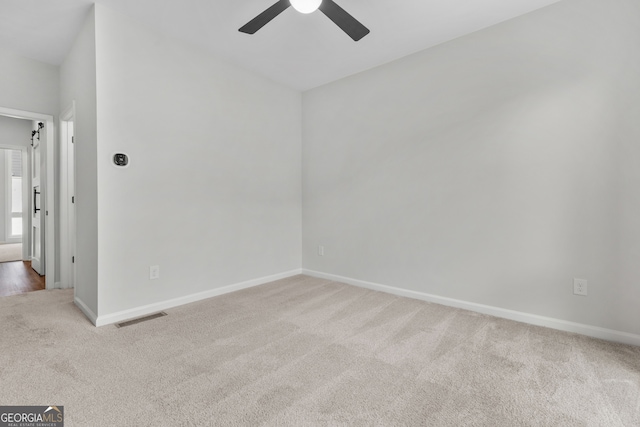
212, 193
15, 132
492, 169
625, 297
78, 83
27, 84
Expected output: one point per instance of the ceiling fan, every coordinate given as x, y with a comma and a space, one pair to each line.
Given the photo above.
338, 15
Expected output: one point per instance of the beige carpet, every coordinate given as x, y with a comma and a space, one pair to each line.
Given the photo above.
10, 252
305, 352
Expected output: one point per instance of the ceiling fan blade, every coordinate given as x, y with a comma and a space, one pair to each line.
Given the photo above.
263, 19
342, 19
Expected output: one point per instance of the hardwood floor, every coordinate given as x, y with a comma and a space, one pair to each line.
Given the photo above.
18, 277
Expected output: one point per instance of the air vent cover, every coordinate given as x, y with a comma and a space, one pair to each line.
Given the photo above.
141, 319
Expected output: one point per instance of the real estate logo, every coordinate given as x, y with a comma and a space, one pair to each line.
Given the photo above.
31, 416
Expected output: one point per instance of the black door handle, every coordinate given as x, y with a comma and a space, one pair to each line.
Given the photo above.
35, 209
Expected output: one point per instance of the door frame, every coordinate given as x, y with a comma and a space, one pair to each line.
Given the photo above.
48, 186
67, 186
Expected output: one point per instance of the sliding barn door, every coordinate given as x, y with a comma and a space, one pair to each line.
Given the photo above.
37, 212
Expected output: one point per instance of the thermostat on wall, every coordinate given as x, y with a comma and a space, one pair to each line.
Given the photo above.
121, 160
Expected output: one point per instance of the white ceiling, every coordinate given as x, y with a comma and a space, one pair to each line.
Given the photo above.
300, 51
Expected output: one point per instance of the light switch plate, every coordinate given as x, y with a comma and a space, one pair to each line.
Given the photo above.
154, 272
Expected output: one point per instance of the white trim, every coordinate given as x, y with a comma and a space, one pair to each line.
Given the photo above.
85, 309
48, 184
533, 319
67, 235
164, 305
21, 114
50, 203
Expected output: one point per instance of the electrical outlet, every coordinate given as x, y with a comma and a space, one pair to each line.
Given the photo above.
580, 287
321, 250
154, 272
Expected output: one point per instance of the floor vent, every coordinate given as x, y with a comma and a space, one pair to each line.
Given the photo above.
140, 319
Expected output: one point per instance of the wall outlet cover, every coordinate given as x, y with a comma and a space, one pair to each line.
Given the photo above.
580, 287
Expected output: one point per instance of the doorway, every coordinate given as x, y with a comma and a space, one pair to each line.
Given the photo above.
17, 274
38, 207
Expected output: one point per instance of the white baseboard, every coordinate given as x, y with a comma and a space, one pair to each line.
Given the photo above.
59, 285
533, 319
10, 241
164, 305
86, 310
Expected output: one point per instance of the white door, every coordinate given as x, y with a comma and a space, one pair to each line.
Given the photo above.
37, 212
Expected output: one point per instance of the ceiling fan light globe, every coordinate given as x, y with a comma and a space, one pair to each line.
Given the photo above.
305, 6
